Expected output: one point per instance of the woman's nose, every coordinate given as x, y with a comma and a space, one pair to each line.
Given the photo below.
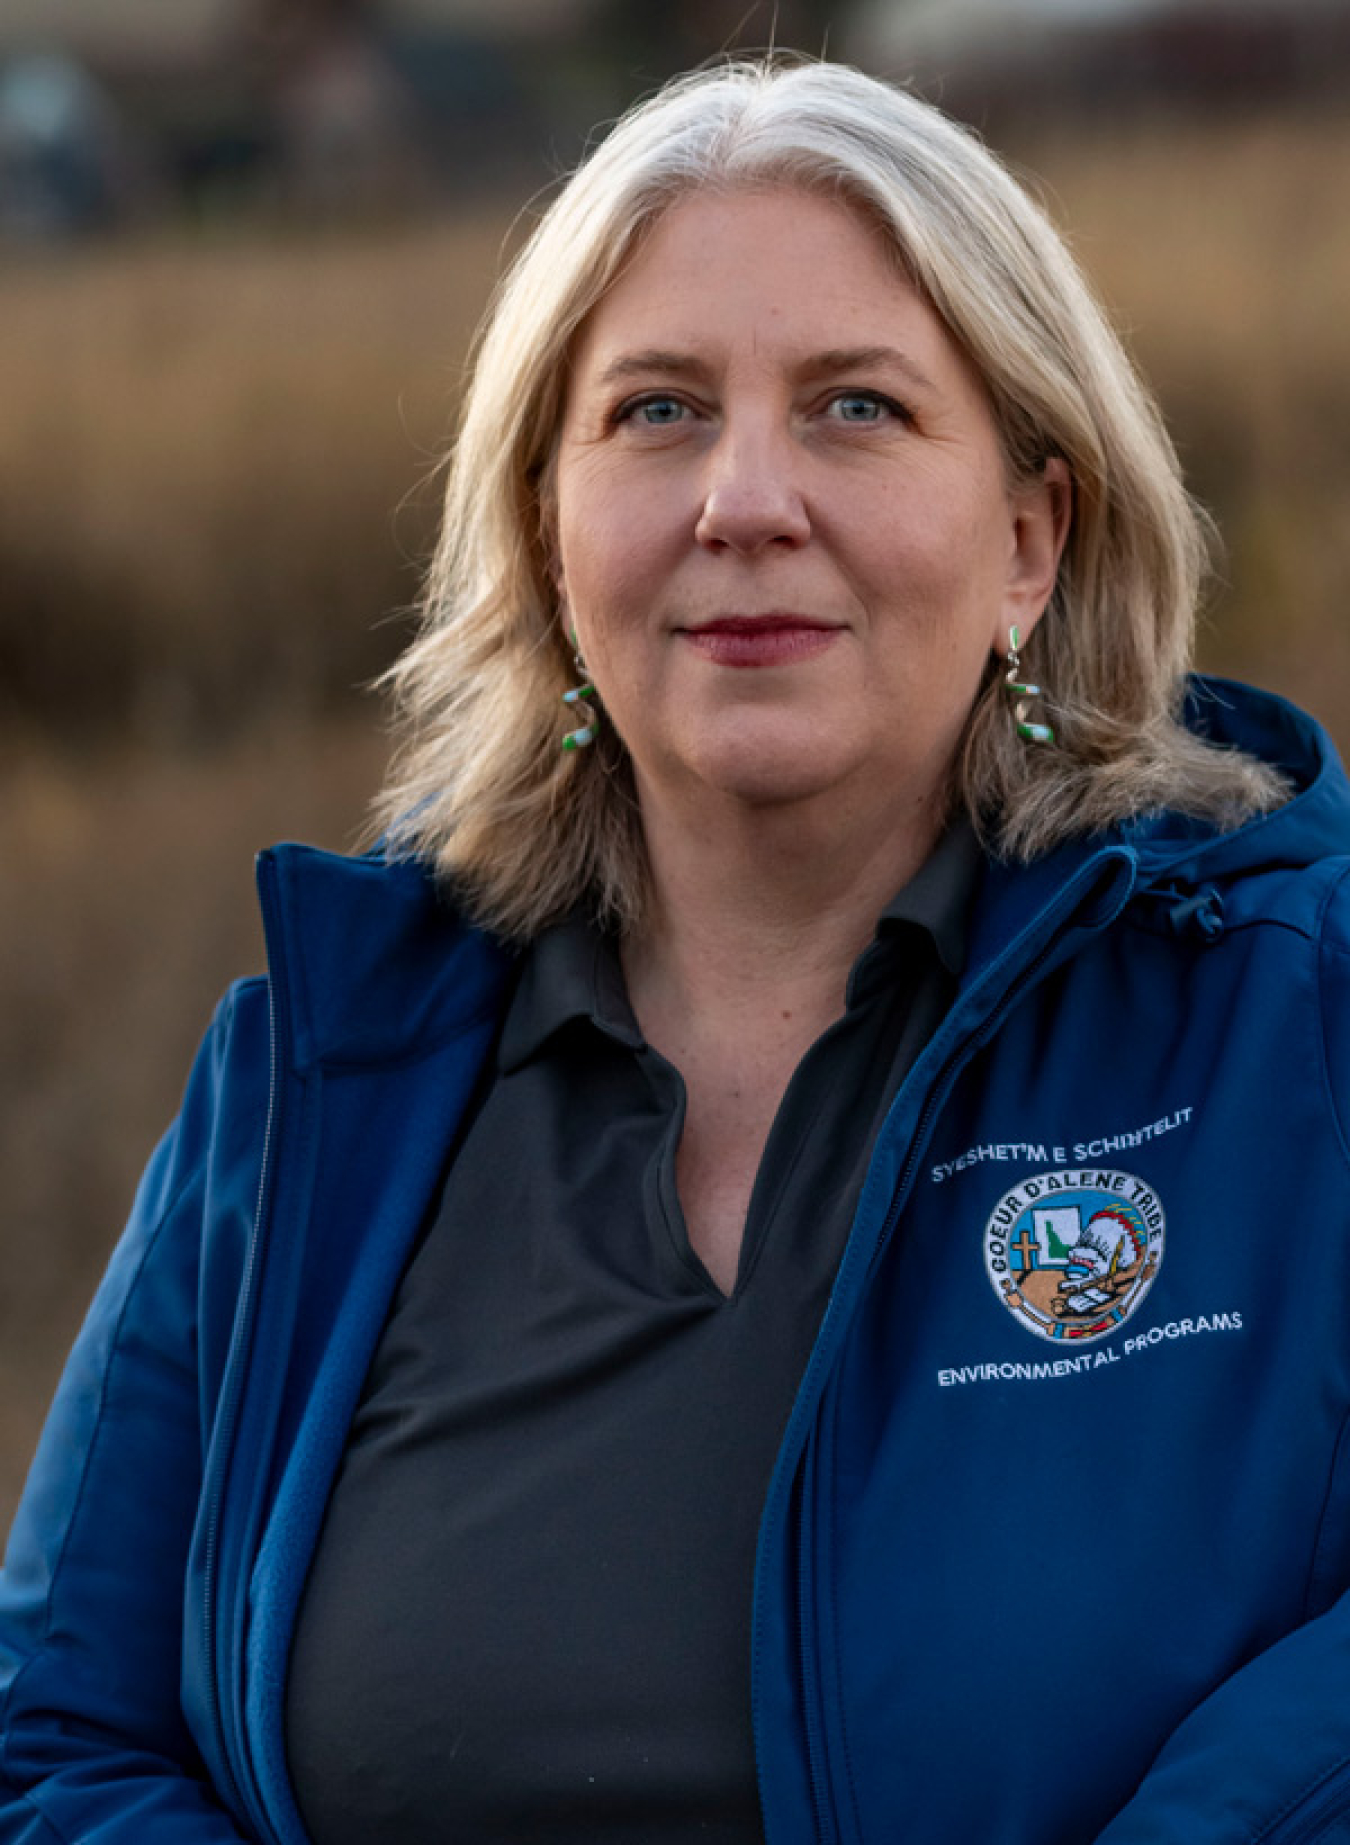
752, 495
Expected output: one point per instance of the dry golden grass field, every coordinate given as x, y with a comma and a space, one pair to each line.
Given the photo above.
216, 462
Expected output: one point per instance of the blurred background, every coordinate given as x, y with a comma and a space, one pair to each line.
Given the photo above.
243, 244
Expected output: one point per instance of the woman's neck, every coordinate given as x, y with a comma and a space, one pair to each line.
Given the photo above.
756, 919
757, 915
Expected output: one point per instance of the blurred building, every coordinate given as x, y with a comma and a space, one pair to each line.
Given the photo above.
162, 69
313, 105
1013, 60
336, 107
67, 161
356, 105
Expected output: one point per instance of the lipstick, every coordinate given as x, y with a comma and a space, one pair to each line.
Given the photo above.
760, 640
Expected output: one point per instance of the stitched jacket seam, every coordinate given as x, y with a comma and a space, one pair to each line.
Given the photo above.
49, 1826
1326, 949
846, 1741
1327, 1497
1292, 1805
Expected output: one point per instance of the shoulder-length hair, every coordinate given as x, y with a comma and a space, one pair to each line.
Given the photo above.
481, 788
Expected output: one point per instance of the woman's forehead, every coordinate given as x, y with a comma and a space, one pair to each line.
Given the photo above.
789, 266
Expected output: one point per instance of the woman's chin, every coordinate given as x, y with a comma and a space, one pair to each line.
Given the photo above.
769, 770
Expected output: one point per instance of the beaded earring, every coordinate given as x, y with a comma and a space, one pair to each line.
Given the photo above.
1029, 731
575, 700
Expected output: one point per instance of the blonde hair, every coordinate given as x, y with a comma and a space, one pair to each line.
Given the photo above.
481, 788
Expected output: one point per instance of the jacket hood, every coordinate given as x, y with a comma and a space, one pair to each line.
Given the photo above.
1313, 824
387, 960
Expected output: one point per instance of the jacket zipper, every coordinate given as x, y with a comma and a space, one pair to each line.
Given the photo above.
813, 1697
1308, 1824
229, 1411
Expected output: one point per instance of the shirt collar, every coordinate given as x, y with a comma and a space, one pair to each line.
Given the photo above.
941, 894
572, 970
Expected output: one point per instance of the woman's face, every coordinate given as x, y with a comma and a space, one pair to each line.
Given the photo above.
783, 525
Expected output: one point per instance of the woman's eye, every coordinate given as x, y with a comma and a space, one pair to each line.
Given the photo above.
862, 407
653, 412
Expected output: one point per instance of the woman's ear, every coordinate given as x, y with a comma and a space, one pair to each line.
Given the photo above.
1042, 513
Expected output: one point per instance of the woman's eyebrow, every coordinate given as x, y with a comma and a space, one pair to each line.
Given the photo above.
838, 359
655, 361
663, 362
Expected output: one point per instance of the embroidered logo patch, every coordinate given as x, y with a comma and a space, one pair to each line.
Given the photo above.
1073, 1252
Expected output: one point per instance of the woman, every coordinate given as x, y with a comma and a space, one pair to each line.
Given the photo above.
777, 1270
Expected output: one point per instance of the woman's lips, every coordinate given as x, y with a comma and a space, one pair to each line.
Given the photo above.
760, 640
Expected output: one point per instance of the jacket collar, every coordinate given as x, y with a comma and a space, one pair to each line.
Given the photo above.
369, 963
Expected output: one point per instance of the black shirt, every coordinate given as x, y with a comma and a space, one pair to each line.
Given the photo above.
528, 1617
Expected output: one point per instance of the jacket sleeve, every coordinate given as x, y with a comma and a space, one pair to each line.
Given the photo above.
93, 1742
1265, 1759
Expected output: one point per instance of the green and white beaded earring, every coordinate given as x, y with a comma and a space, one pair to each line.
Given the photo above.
1029, 731
577, 704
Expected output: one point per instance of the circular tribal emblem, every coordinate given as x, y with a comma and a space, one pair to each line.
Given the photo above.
1073, 1252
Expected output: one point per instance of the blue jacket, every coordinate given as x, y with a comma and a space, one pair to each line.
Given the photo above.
1055, 1544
